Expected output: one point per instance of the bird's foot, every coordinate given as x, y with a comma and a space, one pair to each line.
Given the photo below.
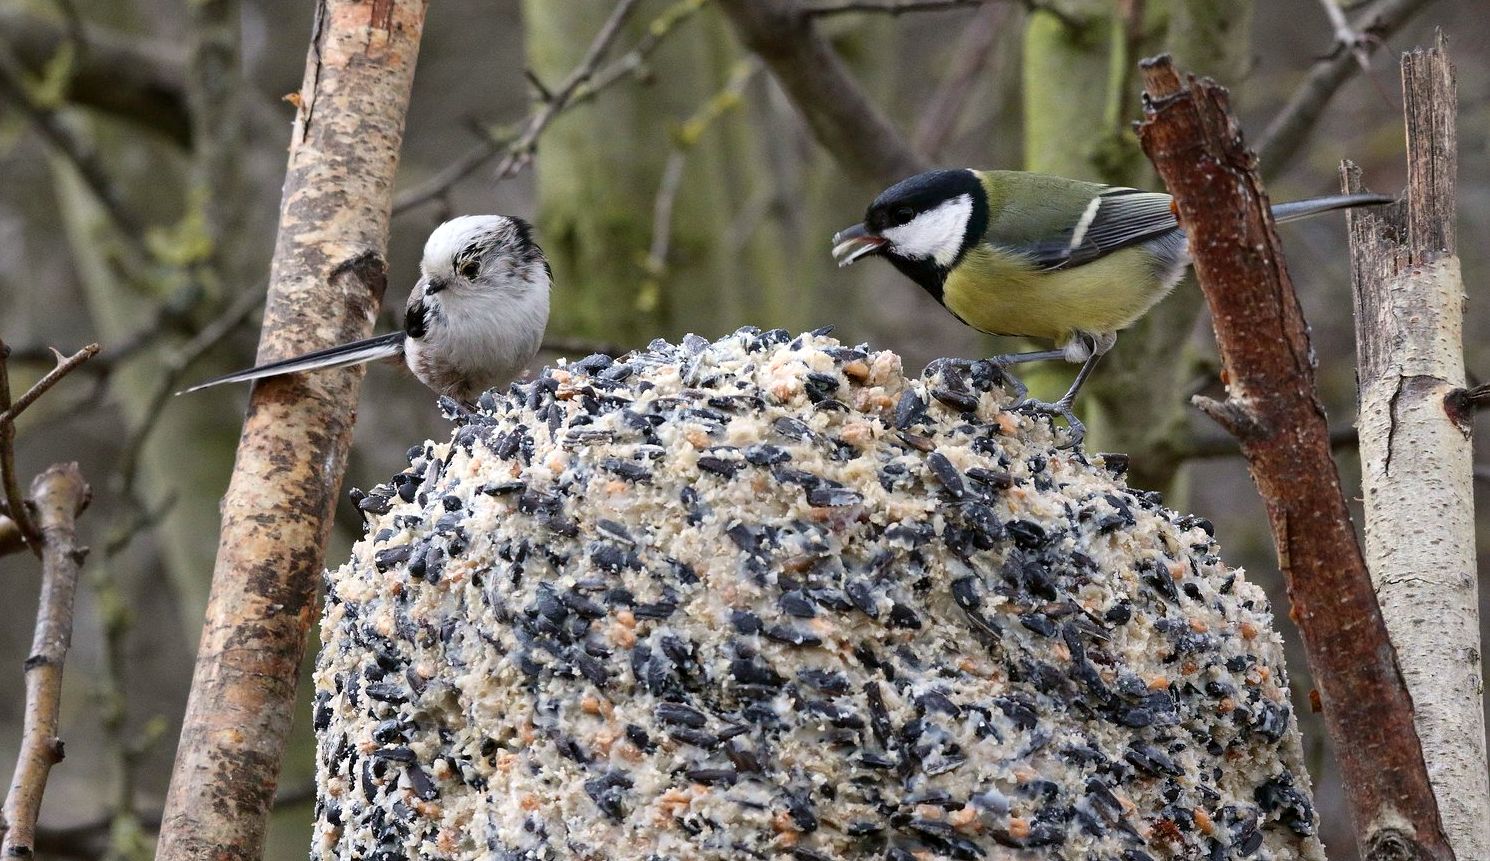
1076, 431
985, 374
453, 410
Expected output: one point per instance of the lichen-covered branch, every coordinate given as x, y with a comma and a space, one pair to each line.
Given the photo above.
57, 496
842, 118
1416, 459
326, 283
1272, 408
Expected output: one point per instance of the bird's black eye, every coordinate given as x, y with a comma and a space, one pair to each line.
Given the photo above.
904, 214
470, 269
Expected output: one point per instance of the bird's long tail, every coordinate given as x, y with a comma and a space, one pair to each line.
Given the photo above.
355, 353
1296, 209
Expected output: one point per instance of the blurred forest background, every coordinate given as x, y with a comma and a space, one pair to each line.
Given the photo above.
142, 148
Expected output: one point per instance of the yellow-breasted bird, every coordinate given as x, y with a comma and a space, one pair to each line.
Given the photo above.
1014, 253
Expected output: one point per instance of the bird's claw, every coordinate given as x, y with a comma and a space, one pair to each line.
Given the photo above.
985, 374
1076, 431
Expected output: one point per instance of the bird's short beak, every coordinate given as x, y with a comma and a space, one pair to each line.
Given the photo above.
851, 243
433, 286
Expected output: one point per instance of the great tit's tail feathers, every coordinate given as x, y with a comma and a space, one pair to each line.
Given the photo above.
1296, 209
355, 353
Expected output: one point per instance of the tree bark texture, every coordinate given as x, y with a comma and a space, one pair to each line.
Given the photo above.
1272, 408
58, 496
326, 283
1416, 464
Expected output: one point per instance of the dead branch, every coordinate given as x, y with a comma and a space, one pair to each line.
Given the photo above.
1272, 408
276, 513
581, 84
17, 514
58, 495
842, 118
138, 80
1416, 458
1281, 141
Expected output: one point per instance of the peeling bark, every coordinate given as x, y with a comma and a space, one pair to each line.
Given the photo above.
1416, 461
1273, 409
326, 283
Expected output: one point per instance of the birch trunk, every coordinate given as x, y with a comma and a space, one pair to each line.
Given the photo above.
326, 282
1416, 469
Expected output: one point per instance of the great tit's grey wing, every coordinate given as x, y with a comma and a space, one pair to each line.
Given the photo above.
1113, 220
357, 352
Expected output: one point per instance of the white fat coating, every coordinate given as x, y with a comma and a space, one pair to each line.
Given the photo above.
936, 233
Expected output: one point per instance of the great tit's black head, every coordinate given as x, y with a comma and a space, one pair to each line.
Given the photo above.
929, 220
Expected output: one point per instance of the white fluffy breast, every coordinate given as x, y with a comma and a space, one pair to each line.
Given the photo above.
936, 233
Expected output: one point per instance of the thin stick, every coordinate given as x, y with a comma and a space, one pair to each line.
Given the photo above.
974, 49
1273, 410
58, 494
1288, 130
65, 366
518, 148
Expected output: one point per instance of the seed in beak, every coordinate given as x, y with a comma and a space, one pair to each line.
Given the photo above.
851, 243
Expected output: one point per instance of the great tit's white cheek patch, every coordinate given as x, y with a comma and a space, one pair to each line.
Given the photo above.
936, 233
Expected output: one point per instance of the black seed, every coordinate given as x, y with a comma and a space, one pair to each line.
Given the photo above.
766, 455
720, 466
993, 478
745, 622
712, 775
384, 559
962, 401
792, 636
695, 737
796, 603
656, 610
946, 473
1026, 534
608, 790
423, 786
1151, 760
626, 469
820, 386
910, 410
375, 504
902, 616
1039, 623
799, 808
395, 754
862, 596
827, 496
677, 713
388, 693
1119, 613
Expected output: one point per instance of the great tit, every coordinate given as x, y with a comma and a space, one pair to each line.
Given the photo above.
1014, 253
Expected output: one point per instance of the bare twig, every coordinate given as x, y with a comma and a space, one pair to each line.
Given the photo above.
65, 365
58, 495
1356, 42
842, 118
1272, 408
971, 55
687, 136
582, 83
276, 514
1202, 447
1281, 140
15, 504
